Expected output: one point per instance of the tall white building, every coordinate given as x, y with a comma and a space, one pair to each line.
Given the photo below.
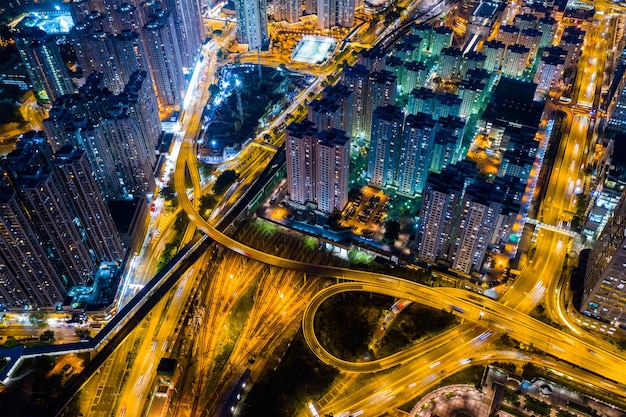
605, 277
317, 166
332, 170
333, 13
440, 211
385, 145
418, 138
479, 215
287, 10
252, 23
44, 64
514, 62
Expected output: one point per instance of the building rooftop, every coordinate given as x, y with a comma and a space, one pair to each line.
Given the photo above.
53, 23
486, 9
314, 49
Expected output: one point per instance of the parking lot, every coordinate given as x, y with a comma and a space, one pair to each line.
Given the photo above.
366, 212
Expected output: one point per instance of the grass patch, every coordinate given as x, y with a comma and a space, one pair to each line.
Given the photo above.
266, 227
241, 309
222, 358
407, 407
299, 377
512, 411
511, 396
361, 310
414, 324
310, 242
359, 257
506, 366
234, 327
470, 376
10, 343
536, 406
540, 314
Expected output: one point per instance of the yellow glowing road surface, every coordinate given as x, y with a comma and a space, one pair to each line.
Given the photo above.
566, 179
591, 64
413, 370
547, 260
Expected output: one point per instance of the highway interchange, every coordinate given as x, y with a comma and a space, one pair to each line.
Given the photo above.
537, 281
581, 355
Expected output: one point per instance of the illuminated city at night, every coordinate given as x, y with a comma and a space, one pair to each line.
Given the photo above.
312, 208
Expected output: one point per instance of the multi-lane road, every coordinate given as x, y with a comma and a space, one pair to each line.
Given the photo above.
508, 316
419, 367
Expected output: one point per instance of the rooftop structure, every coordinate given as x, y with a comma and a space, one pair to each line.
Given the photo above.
53, 23
314, 49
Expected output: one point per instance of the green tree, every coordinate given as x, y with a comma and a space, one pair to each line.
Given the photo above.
83, 333
392, 231
225, 180
168, 193
38, 318
47, 336
207, 202
181, 222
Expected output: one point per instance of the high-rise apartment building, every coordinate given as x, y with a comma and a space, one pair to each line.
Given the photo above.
317, 166
415, 76
44, 64
128, 18
441, 198
252, 23
138, 97
549, 72
508, 35
332, 170
385, 140
115, 56
572, 42
474, 60
381, 91
187, 17
451, 63
310, 6
425, 100
604, 292
471, 92
92, 214
531, 39
478, 219
165, 59
118, 37
494, 54
119, 134
55, 226
424, 32
547, 26
515, 60
334, 109
289, 11
42, 199
335, 13
418, 138
28, 278
446, 146
356, 78
461, 216
441, 37
525, 21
